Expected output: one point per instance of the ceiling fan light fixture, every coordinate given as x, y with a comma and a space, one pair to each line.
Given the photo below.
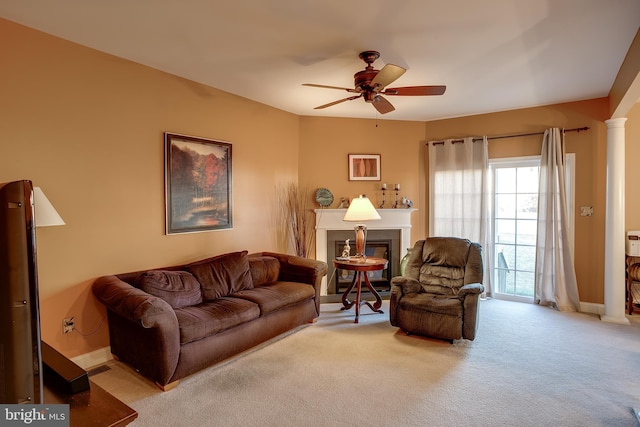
370, 84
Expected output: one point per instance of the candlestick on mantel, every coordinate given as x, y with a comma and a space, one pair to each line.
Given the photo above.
397, 188
384, 185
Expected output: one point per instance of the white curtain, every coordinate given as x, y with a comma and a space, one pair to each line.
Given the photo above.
556, 283
459, 193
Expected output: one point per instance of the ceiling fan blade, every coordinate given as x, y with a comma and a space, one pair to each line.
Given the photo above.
415, 90
331, 87
382, 105
387, 75
337, 102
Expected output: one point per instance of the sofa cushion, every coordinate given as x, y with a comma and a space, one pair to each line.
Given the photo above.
202, 320
178, 288
264, 269
276, 295
222, 275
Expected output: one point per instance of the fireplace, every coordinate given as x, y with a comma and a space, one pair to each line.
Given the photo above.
392, 233
380, 244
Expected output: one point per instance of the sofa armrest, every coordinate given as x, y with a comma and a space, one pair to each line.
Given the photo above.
134, 304
303, 270
143, 329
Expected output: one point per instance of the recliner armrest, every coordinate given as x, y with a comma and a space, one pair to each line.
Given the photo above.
471, 288
400, 286
407, 284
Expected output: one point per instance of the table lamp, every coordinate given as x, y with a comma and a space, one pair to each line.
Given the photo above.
360, 210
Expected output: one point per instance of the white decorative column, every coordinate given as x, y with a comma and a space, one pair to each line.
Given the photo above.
614, 281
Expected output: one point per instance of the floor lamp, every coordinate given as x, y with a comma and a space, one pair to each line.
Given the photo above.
21, 377
46, 214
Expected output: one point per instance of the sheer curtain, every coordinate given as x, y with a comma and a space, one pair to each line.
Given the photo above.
459, 193
556, 283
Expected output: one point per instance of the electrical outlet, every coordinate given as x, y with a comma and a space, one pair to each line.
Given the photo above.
67, 325
586, 210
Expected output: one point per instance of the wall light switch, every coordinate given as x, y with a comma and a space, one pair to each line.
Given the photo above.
586, 210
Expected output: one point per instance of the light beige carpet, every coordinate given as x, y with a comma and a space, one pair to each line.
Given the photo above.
529, 366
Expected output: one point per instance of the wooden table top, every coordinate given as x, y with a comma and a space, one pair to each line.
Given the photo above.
93, 407
360, 264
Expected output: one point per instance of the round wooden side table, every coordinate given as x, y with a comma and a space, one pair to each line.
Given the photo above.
361, 266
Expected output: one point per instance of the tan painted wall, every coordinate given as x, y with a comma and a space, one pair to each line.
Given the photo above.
88, 128
325, 144
590, 149
632, 168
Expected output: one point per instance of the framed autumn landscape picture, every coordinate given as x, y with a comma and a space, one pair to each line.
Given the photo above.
197, 184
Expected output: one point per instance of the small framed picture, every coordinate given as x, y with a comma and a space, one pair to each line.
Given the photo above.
197, 184
364, 167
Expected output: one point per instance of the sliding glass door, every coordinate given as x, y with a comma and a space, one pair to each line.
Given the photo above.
514, 224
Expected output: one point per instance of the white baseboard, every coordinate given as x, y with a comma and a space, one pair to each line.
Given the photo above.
97, 357
591, 307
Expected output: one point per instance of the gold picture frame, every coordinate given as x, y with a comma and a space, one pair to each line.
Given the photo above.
197, 184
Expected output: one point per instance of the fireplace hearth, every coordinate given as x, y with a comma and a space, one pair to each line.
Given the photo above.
380, 244
391, 234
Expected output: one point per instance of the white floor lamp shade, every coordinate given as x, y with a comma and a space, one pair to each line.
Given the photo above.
46, 214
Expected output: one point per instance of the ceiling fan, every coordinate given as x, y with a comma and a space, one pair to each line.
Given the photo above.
370, 84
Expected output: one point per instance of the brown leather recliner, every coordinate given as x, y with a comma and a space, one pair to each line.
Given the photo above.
438, 294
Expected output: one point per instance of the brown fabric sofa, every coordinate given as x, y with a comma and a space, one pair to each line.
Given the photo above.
171, 322
438, 294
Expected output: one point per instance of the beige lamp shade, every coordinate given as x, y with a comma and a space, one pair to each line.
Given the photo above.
46, 214
361, 209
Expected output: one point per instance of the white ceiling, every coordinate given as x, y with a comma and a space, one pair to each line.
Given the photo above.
492, 55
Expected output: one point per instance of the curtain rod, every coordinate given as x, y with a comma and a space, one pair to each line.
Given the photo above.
516, 135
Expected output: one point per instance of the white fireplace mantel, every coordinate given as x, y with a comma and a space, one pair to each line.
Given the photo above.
331, 219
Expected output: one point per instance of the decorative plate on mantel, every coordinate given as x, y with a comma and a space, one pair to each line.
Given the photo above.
324, 197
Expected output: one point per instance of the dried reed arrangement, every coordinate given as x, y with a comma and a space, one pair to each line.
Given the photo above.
296, 217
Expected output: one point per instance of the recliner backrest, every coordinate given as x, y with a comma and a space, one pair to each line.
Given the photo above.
444, 264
